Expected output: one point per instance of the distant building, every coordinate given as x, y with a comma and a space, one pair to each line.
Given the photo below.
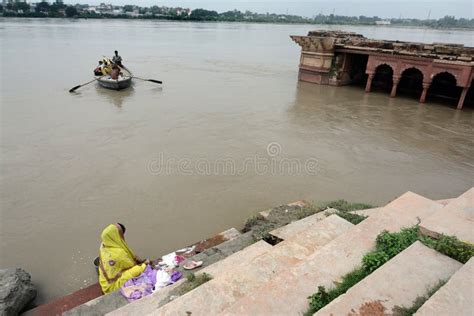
383, 22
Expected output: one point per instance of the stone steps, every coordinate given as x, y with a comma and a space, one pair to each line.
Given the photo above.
297, 227
152, 302
397, 283
214, 296
318, 250
375, 210
368, 212
329, 263
455, 298
455, 219
445, 201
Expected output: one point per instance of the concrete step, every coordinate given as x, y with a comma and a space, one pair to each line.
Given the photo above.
368, 212
455, 298
445, 201
373, 211
455, 219
287, 292
154, 301
214, 296
399, 282
296, 227
316, 235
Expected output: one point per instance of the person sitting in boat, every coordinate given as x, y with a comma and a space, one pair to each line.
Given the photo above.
115, 74
98, 71
117, 60
106, 66
117, 262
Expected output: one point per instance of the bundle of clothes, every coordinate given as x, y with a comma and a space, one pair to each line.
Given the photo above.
155, 277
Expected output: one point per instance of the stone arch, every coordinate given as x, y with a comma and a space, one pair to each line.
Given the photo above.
444, 88
411, 81
446, 73
383, 77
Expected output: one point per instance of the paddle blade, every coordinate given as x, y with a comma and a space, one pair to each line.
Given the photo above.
75, 88
155, 81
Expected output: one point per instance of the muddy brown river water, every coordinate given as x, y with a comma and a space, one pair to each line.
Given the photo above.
231, 132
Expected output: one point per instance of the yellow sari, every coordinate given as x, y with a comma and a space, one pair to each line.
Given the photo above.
118, 264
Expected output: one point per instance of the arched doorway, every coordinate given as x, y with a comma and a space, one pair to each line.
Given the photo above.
383, 78
444, 89
411, 82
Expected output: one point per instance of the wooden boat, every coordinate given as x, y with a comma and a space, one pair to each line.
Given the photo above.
124, 81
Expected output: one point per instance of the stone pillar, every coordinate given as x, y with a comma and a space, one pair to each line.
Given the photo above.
396, 80
426, 86
368, 86
462, 98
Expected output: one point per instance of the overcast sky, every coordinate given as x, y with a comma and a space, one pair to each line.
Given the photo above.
381, 8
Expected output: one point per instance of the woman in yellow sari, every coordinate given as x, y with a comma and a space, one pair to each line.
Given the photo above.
118, 263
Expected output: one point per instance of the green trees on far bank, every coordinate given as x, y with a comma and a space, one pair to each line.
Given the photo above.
44, 9
71, 12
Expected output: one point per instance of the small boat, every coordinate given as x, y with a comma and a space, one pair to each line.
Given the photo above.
124, 80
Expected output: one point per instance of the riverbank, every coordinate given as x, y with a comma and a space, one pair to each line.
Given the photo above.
353, 262
209, 251
303, 255
432, 26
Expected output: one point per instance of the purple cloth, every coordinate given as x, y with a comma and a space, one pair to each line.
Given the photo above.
141, 286
176, 276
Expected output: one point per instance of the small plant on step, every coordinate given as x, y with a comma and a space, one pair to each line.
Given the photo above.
344, 206
373, 260
394, 243
451, 247
351, 217
322, 297
193, 281
418, 302
318, 300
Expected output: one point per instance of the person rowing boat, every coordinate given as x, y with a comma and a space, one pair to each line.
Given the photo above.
117, 59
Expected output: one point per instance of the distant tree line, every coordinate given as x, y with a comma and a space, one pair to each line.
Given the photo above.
44, 9
445, 22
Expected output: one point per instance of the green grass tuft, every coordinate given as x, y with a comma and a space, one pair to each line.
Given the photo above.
351, 217
192, 282
418, 302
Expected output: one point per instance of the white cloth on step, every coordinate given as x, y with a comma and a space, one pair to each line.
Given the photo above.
162, 279
169, 259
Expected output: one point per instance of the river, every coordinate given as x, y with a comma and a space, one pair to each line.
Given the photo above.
73, 163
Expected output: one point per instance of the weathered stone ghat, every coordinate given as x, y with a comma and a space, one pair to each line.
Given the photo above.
318, 250
342, 58
218, 254
316, 246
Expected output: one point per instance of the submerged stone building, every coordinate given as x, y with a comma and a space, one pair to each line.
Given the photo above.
342, 58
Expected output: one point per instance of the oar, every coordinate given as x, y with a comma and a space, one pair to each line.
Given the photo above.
85, 84
151, 80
